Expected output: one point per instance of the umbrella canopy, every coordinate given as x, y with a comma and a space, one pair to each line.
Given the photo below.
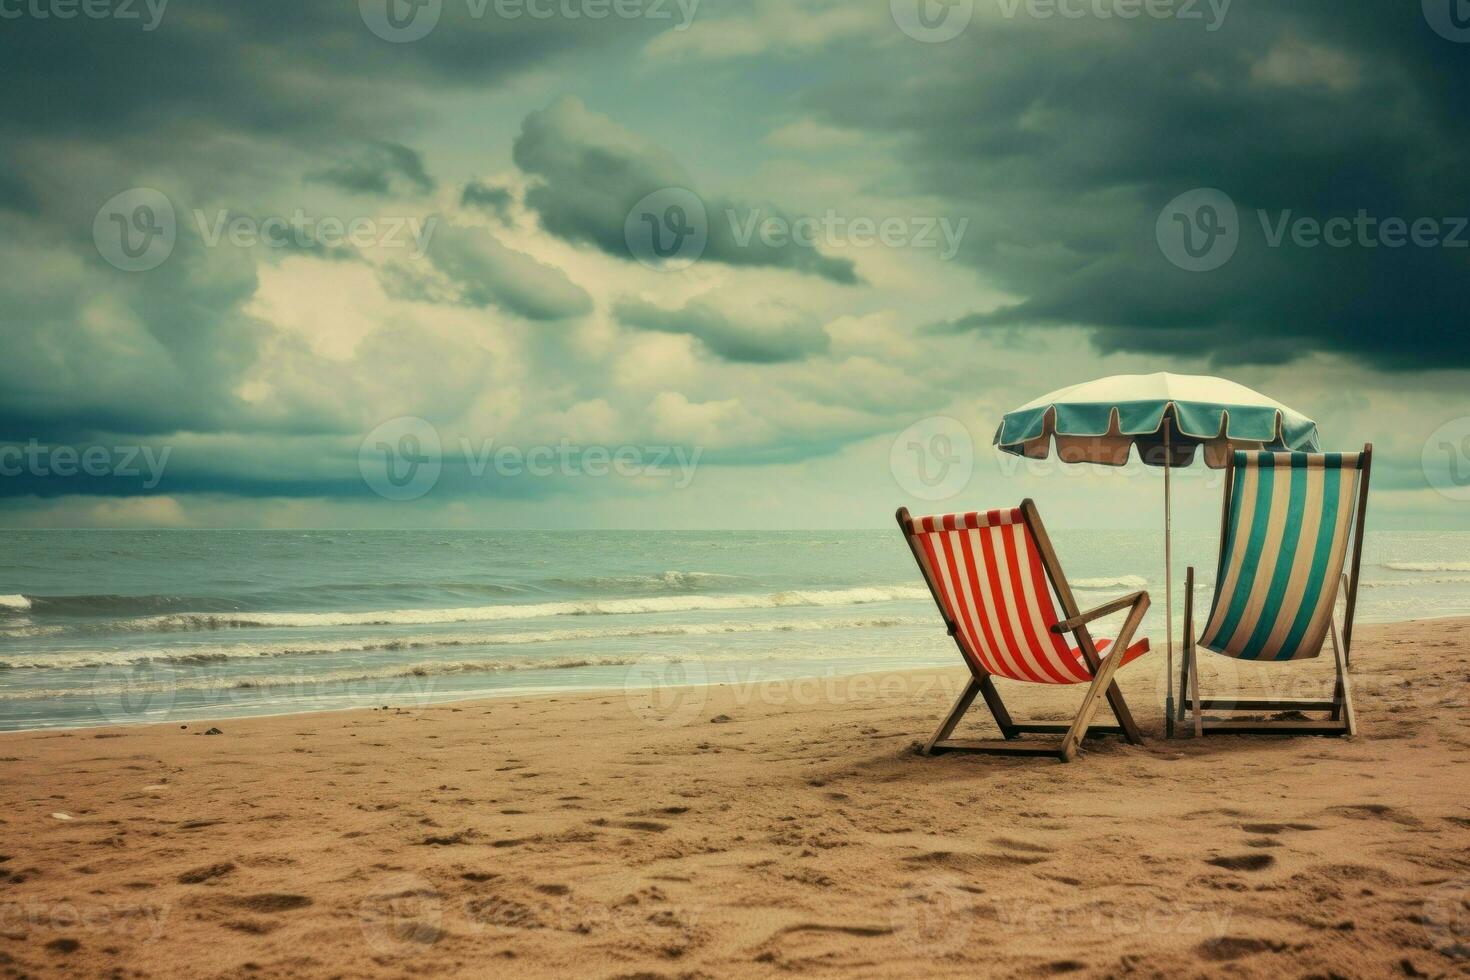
1100, 421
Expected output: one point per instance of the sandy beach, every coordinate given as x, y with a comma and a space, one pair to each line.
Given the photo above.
748, 831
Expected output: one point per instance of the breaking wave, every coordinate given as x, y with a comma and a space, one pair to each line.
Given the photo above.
14, 603
540, 610
220, 653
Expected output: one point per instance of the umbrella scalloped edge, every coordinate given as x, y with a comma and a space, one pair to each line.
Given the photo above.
1104, 433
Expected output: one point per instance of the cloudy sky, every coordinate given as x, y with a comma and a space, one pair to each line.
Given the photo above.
667, 263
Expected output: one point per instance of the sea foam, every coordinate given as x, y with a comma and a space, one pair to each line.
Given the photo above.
540, 610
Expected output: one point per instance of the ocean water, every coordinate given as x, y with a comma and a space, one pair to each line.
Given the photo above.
109, 627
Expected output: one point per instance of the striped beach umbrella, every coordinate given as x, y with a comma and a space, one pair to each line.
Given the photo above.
1169, 418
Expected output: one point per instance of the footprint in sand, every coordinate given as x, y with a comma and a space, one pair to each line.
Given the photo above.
1063, 966
647, 826
969, 863
1275, 828
1234, 947
1242, 862
449, 840
1376, 811
195, 876
266, 902
479, 876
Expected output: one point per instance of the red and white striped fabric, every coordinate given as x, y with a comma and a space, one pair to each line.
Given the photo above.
988, 573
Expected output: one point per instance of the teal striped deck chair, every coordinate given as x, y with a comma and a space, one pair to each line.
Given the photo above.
1291, 523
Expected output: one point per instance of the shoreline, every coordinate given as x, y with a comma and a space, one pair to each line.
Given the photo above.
497, 694
720, 831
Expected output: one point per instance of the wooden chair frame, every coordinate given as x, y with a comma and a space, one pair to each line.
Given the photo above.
1341, 719
981, 681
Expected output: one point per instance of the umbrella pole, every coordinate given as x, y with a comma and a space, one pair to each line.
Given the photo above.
1168, 588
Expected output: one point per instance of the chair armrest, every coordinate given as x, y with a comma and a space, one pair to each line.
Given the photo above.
1107, 608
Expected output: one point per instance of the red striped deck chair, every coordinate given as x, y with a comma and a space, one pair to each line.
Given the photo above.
992, 574
1292, 522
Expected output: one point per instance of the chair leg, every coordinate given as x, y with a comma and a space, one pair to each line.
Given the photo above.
1124, 716
1192, 656
1336, 713
961, 705
1342, 695
997, 708
1102, 682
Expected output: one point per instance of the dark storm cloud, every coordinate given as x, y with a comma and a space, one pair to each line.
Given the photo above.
379, 168
766, 337
1064, 139
593, 172
495, 200
271, 67
224, 107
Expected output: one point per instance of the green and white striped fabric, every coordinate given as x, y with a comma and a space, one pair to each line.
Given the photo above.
1291, 516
